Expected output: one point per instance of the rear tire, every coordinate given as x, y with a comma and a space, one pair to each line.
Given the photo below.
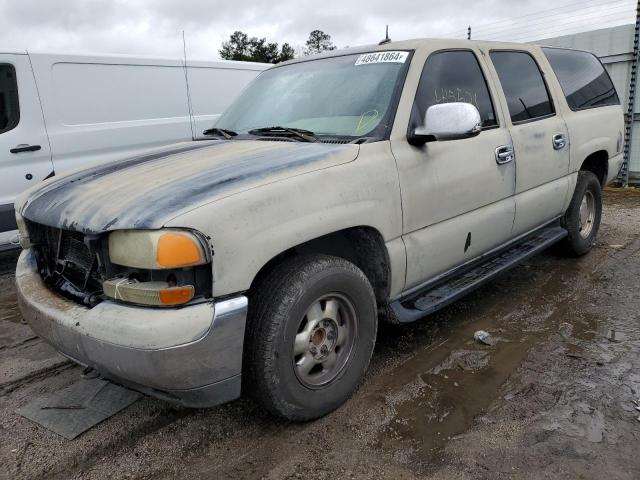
582, 218
310, 335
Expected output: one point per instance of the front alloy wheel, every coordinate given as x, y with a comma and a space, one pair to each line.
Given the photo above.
325, 339
310, 335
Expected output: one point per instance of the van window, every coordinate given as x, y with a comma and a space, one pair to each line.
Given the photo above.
523, 86
455, 76
9, 110
584, 81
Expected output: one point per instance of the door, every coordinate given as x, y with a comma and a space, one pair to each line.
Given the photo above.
25, 157
457, 199
540, 140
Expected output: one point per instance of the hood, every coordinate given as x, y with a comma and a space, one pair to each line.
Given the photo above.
149, 190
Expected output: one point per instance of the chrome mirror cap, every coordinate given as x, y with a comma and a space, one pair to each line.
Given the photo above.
450, 121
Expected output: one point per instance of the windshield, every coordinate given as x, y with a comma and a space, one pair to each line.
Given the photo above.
349, 95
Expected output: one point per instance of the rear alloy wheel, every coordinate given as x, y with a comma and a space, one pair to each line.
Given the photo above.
582, 218
310, 335
587, 214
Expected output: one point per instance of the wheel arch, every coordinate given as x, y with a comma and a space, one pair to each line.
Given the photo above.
597, 163
364, 246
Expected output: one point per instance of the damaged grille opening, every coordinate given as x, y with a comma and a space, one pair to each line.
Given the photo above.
75, 265
69, 262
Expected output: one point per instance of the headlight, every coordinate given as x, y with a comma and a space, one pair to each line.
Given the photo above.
156, 249
157, 262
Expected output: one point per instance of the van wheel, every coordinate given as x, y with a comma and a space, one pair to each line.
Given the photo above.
310, 335
582, 218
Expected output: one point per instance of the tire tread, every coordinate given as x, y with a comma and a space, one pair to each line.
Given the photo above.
574, 245
273, 293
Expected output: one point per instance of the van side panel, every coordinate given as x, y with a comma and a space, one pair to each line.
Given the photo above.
25, 157
211, 91
99, 109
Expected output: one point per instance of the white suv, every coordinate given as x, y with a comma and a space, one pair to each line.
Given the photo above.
375, 182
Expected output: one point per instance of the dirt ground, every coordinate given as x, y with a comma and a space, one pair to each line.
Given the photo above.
552, 399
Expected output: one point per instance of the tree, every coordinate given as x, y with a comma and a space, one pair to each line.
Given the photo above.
286, 53
264, 52
237, 48
318, 42
241, 47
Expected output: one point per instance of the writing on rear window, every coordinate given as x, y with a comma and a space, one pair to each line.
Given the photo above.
382, 57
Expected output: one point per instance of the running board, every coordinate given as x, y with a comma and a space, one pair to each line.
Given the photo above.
435, 297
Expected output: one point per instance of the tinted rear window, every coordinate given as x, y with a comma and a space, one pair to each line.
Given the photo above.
523, 85
583, 79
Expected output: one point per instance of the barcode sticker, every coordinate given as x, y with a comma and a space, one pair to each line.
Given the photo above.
382, 57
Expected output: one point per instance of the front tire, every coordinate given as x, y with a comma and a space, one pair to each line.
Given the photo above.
582, 218
310, 335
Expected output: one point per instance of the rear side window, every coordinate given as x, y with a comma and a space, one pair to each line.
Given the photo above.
455, 76
583, 79
9, 110
523, 85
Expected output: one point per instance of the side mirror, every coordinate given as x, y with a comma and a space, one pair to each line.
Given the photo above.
447, 121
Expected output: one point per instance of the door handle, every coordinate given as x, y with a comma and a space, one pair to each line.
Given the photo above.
25, 148
559, 141
505, 154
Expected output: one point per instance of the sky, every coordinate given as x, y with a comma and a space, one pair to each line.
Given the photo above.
154, 27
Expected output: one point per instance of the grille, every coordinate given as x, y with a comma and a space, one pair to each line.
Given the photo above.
75, 251
68, 262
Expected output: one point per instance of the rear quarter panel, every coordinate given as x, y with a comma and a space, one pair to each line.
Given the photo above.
590, 130
594, 130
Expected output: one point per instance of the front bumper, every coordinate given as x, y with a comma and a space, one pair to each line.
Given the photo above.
190, 355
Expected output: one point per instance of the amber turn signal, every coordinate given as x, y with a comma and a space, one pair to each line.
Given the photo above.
178, 250
176, 295
147, 293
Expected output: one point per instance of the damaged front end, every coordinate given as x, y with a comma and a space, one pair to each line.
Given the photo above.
76, 292
81, 267
70, 263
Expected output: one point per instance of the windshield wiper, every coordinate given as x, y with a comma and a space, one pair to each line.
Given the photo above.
306, 135
228, 134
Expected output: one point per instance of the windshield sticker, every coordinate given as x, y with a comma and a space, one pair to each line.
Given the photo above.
366, 120
382, 57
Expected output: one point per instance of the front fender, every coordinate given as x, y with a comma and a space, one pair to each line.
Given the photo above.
250, 228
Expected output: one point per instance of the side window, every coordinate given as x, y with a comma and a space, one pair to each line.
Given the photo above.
9, 110
523, 85
455, 76
583, 79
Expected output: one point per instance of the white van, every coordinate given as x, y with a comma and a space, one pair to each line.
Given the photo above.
61, 112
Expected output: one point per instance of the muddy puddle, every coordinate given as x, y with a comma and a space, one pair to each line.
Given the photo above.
454, 383
439, 392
